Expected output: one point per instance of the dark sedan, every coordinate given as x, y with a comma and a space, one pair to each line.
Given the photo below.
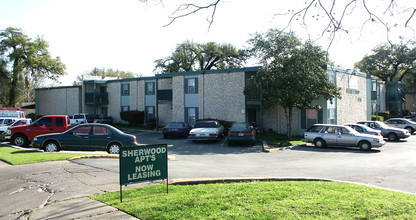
86, 137
241, 133
176, 129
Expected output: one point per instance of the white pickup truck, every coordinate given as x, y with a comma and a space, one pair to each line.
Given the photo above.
77, 119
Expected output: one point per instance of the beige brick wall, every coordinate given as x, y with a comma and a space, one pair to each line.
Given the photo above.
165, 114
274, 118
352, 107
165, 83
222, 96
57, 101
133, 95
114, 100
178, 98
411, 102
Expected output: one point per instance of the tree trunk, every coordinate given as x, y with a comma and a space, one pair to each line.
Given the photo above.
288, 113
14, 83
289, 125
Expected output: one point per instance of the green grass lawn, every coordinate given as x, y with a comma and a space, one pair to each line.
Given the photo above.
264, 200
15, 156
280, 140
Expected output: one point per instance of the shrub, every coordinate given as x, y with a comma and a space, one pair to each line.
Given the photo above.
134, 118
377, 118
151, 123
386, 114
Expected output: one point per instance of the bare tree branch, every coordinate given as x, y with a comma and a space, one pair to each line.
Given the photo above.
410, 18
189, 9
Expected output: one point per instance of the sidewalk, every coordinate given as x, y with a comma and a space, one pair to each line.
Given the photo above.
56, 190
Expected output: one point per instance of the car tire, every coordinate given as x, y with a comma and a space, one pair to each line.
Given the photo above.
364, 145
392, 137
319, 143
165, 136
51, 146
410, 129
114, 148
19, 140
230, 143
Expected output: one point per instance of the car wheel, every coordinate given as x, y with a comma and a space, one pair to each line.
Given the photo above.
19, 140
319, 143
51, 146
410, 130
165, 136
365, 145
114, 148
230, 143
392, 137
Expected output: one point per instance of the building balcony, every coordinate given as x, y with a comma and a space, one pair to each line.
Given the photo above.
98, 98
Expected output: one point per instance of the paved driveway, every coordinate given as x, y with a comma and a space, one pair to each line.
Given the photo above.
390, 167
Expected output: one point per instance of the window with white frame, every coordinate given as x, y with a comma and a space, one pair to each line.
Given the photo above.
150, 88
191, 85
125, 89
191, 115
150, 112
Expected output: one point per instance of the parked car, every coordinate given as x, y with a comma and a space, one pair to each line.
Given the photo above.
77, 119
23, 135
364, 129
176, 129
7, 121
103, 120
206, 130
92, 117
3, 129
402, 123
86, 137
322, 135
241, 133
393, 134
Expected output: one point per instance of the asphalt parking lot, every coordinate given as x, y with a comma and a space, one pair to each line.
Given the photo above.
391, 166
60, 189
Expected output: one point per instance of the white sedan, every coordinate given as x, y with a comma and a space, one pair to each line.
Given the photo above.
206, 130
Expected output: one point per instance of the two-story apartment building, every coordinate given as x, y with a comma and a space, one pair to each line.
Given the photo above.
189, 96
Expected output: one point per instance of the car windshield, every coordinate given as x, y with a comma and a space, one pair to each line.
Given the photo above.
205, 125
314, 128
381, 124
350, 130
176, 124
78, 116
240, 127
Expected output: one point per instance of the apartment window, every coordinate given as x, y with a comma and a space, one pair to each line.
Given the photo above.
191, 85
191, 114
125, 89
150, 88
125, 108
150, 112
311, 117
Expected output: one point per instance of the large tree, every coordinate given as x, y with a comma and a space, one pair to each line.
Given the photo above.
391, 62
190, 56
293, 73
104, 72
24, 63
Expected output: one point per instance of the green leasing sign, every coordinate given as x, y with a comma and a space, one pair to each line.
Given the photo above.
143, 163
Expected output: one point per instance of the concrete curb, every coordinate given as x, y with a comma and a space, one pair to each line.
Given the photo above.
269, 179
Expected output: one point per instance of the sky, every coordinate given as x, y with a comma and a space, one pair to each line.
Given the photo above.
129, 35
